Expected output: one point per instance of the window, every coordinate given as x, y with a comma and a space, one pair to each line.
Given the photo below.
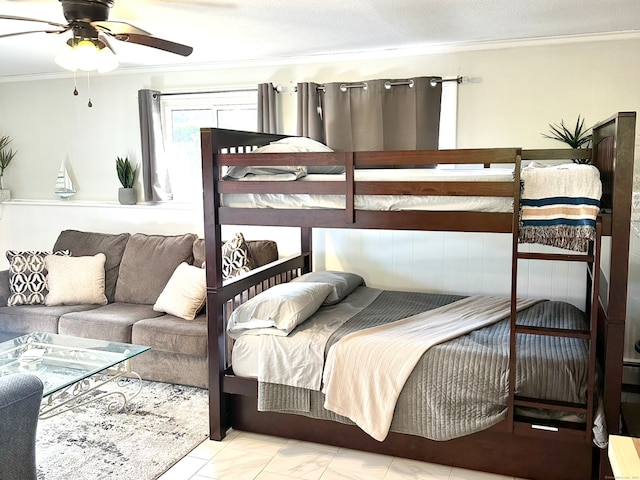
448, 116
182, 117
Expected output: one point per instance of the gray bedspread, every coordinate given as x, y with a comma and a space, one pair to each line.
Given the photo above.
460, 387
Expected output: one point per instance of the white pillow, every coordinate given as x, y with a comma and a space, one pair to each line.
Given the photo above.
278, 310
185, 292
75, 280
303, 144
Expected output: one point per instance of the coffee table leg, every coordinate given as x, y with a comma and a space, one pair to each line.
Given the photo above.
88, 391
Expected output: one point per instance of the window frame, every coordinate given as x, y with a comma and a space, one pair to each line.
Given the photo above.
213, 101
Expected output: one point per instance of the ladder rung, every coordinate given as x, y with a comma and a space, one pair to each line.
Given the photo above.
553, 332
556, 257
569, 407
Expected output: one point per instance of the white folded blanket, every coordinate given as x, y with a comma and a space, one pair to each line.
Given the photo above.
559, 205
366, 370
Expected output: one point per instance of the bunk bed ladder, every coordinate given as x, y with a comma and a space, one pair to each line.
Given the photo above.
527, 426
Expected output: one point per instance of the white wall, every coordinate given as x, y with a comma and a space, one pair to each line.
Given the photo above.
514, 93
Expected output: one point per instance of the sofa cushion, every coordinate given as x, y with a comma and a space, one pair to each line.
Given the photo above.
147, 264
172, 334
169, 367
111, 322
5, 291
89, 243
185, 292
262, 252
75, 280
28, 277
23, 319
199, 255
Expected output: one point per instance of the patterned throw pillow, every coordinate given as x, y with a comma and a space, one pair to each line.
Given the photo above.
236, 258
28, 276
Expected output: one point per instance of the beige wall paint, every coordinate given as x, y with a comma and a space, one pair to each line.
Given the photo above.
514, 92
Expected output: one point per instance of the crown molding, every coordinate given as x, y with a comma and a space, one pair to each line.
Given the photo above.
337, 57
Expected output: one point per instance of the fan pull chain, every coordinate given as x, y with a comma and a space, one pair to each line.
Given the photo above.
89, 87
75, 84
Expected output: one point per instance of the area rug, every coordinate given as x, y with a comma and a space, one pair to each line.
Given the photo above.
163, 424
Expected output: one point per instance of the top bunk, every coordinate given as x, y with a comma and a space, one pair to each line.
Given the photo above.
395, 190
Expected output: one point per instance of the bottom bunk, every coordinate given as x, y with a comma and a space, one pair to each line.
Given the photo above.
453, 408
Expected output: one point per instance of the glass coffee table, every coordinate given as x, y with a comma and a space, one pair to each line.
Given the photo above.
74, 370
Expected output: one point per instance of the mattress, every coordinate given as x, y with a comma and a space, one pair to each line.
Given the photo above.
387, 202
459, 387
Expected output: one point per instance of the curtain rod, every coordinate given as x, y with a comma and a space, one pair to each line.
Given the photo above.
202, 93
388, 84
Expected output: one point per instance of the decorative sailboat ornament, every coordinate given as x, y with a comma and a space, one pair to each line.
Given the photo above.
64, 186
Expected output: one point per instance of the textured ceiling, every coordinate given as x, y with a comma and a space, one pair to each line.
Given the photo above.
223, 31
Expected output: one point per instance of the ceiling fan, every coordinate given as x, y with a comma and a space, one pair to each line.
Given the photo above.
88, 20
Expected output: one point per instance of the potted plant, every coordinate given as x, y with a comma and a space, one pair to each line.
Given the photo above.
127, 176
6, 155
577, 137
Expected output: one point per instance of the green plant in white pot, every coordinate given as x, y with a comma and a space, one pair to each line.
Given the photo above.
575, 137
127, 176
6, 155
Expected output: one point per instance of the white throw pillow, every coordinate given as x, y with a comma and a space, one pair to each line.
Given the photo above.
75, 280
279, 309
185, 292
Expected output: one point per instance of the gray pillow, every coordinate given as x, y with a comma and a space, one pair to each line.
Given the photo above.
343, 283
148, 263
87, 244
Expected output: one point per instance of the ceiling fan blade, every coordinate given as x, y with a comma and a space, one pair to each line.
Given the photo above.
154, 42
105, 40
27, 19
119, 28
32, 31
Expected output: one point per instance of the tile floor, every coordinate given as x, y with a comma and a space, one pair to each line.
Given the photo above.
249, 456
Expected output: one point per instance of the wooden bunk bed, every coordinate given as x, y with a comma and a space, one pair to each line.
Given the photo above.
511, 447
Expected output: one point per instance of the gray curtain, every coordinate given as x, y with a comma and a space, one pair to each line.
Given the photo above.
310, 111
380, 118
155, 172
267, 109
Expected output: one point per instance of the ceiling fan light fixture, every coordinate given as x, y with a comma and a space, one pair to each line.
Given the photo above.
87, 54
66, 57
107, 60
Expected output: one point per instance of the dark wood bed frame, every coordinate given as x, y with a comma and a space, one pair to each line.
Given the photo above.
511, 447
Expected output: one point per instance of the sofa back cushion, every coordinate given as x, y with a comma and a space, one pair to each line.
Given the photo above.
148, 263
82, 244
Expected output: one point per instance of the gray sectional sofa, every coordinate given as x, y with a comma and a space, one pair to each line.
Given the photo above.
137, 267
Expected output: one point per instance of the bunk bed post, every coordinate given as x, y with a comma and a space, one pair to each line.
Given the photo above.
515, 234
218, 424
622, 128
306, 234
